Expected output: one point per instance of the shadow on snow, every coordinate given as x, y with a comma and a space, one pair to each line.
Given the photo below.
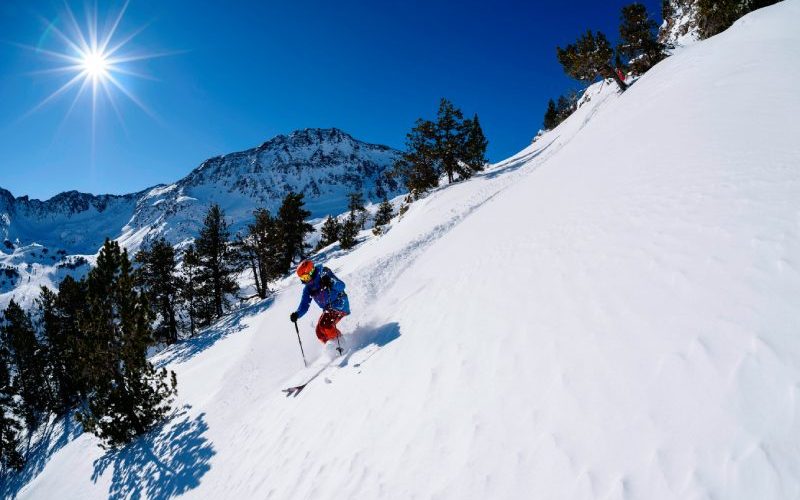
367, 336
45, 444
168, 461
183, 445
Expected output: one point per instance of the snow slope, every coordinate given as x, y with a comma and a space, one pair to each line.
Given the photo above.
612, 313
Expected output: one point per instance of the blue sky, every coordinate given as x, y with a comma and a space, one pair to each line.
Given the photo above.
241, 72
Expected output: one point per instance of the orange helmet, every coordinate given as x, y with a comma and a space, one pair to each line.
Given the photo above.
305, 270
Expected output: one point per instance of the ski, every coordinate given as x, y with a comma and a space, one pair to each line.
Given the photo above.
294, 391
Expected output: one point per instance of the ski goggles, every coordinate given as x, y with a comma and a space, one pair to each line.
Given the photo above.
305, 278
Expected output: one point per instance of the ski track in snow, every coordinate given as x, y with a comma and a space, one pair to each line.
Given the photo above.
386, 269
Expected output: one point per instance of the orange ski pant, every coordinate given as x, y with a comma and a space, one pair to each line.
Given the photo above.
326, 326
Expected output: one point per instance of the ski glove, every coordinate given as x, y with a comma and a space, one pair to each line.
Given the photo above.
326, 282
293, 317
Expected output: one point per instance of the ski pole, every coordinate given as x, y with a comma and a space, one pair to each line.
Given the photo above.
338, 344
301, 343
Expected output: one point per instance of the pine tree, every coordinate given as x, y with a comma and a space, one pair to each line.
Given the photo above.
564, 108
247, 253
451, 145
59, 370
330, 232
349, 232
715, 16
550, 116
218, 264
567, 104
751, 5
354, 222
59, 352
70, 306
10, 416
356, 206
293, 229
158, 279
45, 310
557, 113
355, 202
589, 57
638, 42
473, 155
449, 138
190, 288
260, 250
383, 216
127, 395
29, 360
418, 165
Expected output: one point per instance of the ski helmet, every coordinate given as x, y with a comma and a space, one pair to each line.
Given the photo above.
305, 270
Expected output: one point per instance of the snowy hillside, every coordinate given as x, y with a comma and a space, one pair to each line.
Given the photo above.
42, 239
612, 313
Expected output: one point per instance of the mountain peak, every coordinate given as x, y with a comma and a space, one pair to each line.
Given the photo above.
304, 161
321, 134
308, 137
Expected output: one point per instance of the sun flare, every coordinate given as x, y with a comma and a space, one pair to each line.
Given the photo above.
93, 61
95, 64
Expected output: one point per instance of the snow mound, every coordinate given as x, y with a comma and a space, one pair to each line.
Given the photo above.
611, 313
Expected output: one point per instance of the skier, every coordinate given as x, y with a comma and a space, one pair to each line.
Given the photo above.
328, 292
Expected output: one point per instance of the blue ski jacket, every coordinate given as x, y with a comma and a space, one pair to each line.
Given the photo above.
332, 298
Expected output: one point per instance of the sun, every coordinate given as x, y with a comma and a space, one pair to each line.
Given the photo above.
94, 61
96, 65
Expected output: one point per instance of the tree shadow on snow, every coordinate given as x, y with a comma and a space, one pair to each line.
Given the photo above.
44, 444
367, 336
183, 444
232, 323
166, 462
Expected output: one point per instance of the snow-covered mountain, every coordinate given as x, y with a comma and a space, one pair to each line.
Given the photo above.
611, 313
42, 239
72, 221
324, 164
